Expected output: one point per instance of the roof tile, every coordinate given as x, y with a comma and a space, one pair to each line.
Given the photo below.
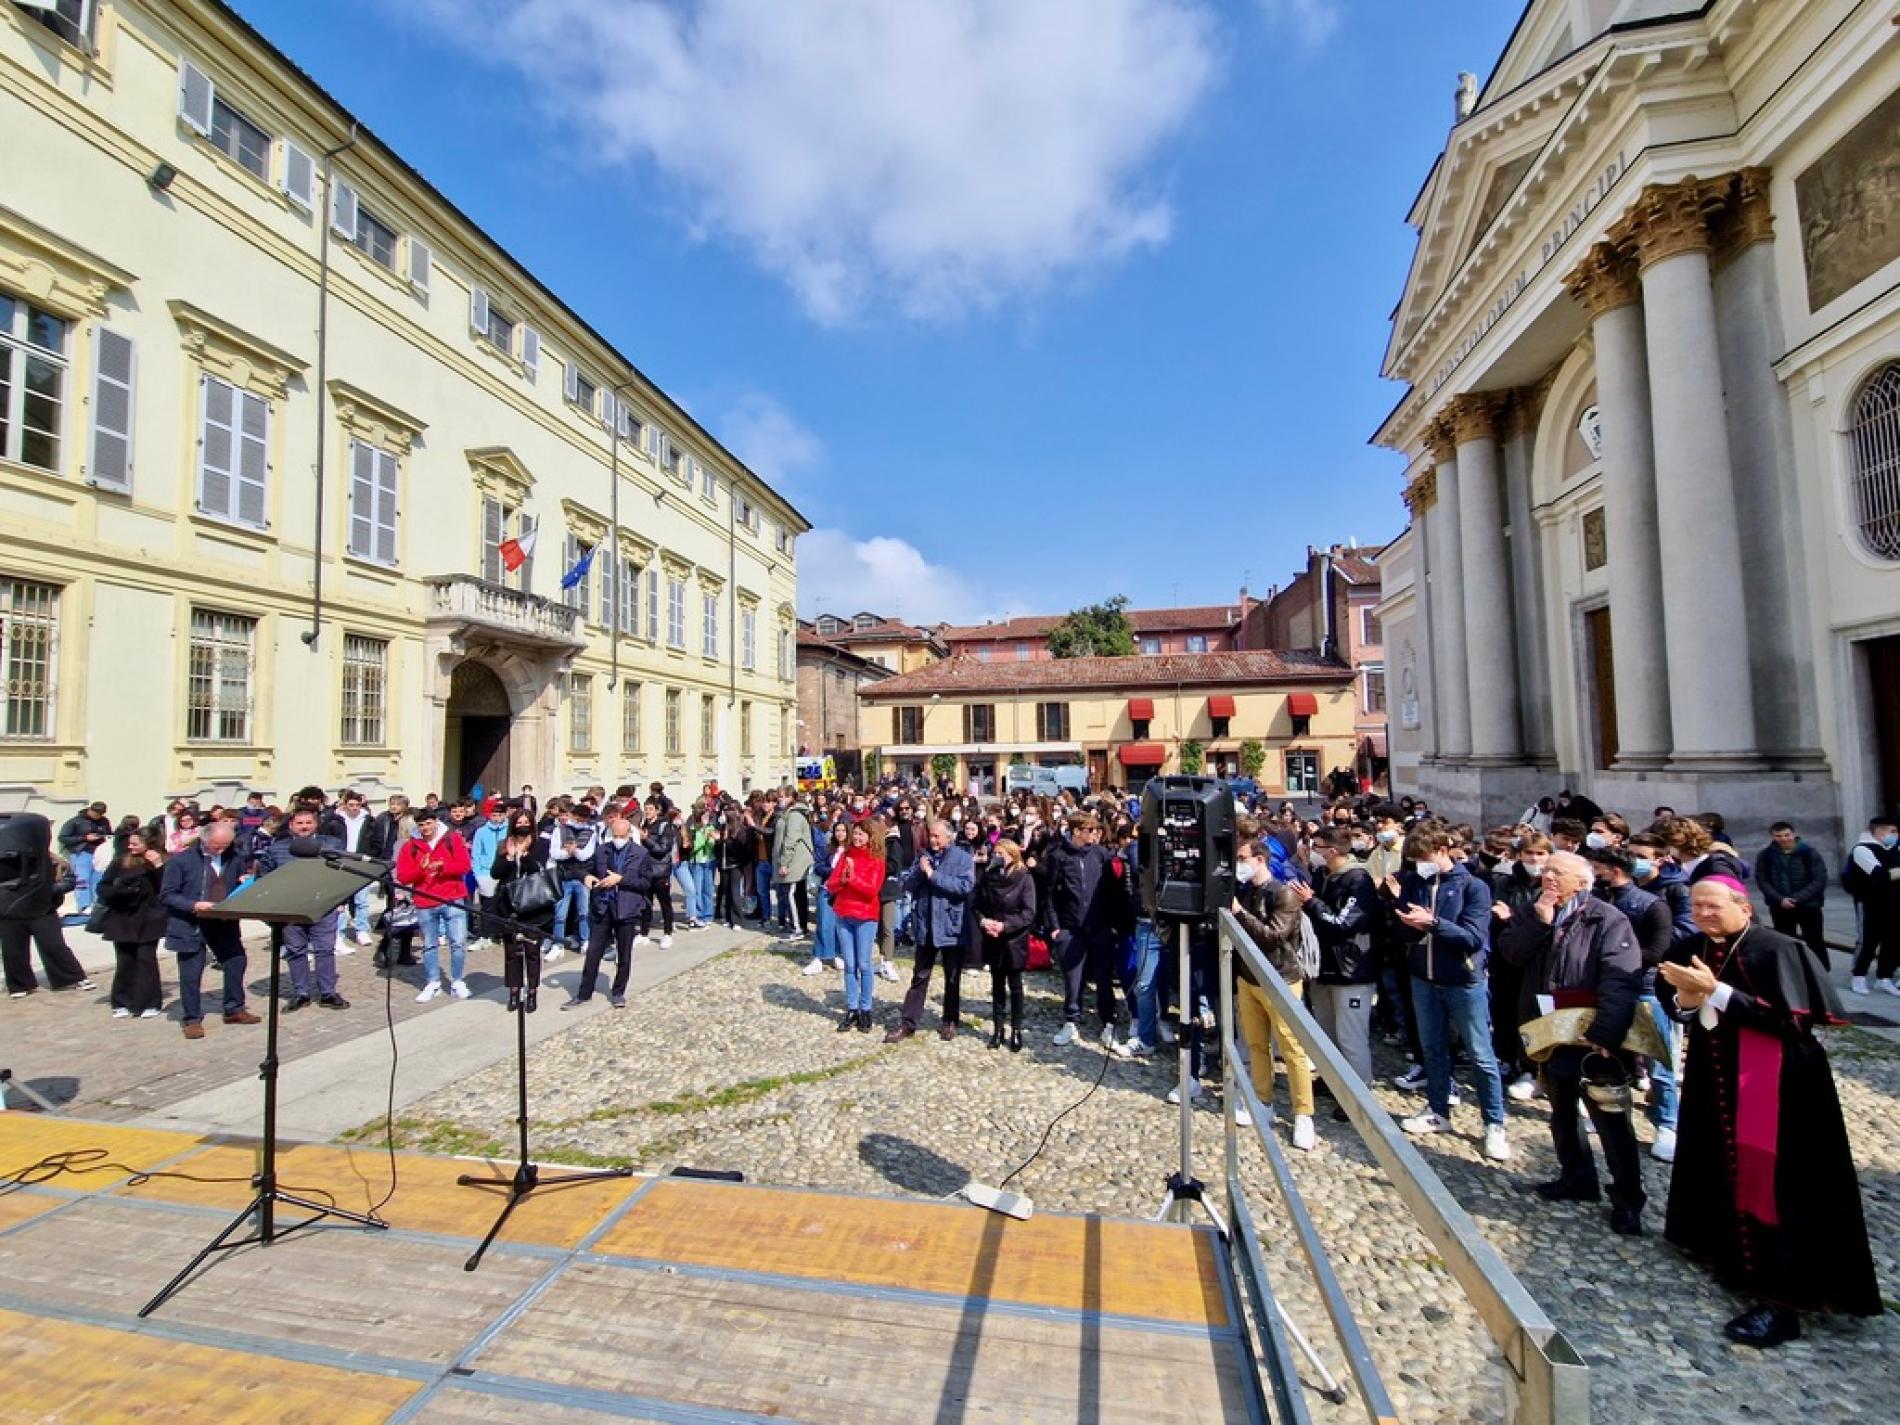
1166, 670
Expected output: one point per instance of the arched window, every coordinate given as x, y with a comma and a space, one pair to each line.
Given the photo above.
1874, 488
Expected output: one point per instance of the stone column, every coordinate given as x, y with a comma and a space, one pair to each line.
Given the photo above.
1606, 284
1527, 573
1420, 496
1448, 602
1711, 705
1497, 735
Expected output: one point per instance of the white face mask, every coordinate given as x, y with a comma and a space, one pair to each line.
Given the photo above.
1426, 869
1533, 869
1596, 841
1244, 871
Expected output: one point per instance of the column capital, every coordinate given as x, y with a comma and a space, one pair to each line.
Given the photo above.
1474, 415
1668, 219
1525, 404
1746, 216
1422, 493
1604, 280
1439, 438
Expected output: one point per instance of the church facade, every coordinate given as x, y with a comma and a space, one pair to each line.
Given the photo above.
1651, 346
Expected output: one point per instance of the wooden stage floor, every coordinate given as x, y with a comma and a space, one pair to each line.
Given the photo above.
654, 1299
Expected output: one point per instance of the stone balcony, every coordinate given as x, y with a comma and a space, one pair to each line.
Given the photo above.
462, 607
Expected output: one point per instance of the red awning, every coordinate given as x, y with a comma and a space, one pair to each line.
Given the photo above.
1141, 709
1142, 754
1220, 705
1303, 704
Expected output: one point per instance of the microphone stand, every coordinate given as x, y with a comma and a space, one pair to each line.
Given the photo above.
527, 1175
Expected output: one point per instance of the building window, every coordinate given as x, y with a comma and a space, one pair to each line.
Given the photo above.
749, 638
240, 139
625, 589
71, 20
582, 392
29, 651
630, 719
365, 671
675, 739
676, 613
1220, 725
979, 722
1141, 729
829, 625
1302, 773
375, 237
575, 595
1197, 643
1150, 646
502, 522
708, 485
864, 623
983, 653
907, 726
233, 452
218, 682
1875, 493
580, 712
1302, 724
1022, 653
1370, 630
32, 383
653, 606
1375, 687
709, 625
372, 503
782, 539
1052, 722
744, 512
745, 729
708, 723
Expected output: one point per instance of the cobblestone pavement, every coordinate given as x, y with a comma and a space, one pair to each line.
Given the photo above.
736, 1064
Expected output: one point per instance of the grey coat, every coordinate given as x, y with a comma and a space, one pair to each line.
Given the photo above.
791, 845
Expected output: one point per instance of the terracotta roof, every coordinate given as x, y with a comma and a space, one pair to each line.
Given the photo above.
885, 630
1200, 616
1155, 671
833, 654
1357, 565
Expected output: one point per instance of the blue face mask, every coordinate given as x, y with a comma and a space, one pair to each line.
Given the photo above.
1890, 841
1642, 868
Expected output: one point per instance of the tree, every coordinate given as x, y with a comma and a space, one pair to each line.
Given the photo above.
1095, 631
1253, 757
870, 769
1193, 758
943, 765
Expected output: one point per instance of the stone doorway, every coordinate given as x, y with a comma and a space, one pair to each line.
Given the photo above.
476, 736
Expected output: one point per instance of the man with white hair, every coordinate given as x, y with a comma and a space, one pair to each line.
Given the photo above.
1581, 952
942, 881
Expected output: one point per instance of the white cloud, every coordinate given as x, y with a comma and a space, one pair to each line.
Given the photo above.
769, 438
877, 156
839, 574
1311, 21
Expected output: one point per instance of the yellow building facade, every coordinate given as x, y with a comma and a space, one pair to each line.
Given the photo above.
270, 409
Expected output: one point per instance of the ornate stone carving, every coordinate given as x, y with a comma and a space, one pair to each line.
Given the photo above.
1669, 219
1603, 281
1746, 217
1475, 415
374, 421
1525, 405
1422, 493
247, 362
1440, 440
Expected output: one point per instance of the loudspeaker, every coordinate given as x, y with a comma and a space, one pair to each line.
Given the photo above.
26, 866
1187, 845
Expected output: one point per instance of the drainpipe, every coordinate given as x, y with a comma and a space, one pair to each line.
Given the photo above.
613, 537
323, 341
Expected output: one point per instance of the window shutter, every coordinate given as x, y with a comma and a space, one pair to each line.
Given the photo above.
114, 364
194, 96
362, 500
343, 208
531, 351
385, 507
419, 259
653, 605
478, 311
623, 420
492, 536
299, 179
216, 442
253, 461
571, 381
608, 407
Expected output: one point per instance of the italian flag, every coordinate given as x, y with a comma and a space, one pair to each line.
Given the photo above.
515, 552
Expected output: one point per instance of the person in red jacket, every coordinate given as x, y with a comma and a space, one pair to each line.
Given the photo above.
857, 879
434, 863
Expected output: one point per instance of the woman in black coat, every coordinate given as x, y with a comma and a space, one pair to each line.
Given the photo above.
520, 858
1005, 911
134, 921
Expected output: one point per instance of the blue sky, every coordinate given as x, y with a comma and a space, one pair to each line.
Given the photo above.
1023, 302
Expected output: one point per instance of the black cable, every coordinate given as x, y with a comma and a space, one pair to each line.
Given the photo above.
1108, 1057
78, 1161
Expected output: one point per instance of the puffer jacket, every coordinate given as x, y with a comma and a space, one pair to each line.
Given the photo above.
1453, 951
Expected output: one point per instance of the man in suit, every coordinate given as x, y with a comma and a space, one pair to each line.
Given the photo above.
196, 879
618, 882
942, 881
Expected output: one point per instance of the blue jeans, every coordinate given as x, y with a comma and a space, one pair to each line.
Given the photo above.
857, 942
827, 945
1662, 1072
1463, 1010
358, 907
84, 878
702, 904
437, 921
1142, 990
762, 885
573, 900
682, 874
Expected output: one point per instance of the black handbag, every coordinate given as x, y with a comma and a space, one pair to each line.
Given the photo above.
531, 895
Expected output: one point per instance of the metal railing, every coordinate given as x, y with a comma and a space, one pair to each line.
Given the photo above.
1547, 1382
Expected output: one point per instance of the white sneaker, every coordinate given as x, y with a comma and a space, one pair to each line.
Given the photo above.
837, 962
1521, 1088
1426, 1122
1304, 1138
151, 1014
429, 992
1108, 1036
890, 970
1133, 1048
1194, 1092
458, 988
1858, 984
1891, 987
1663, 1150
1412, 1079
1166, 1031
666, 942
816, 967
1453, 1099
121, 1014
362, 937
1241, 1116
1065, 1035
343, 947
551, 954
1496, 1146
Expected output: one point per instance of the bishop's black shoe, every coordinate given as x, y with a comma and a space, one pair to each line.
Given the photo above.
1558, 1190
1626, 1221
1763, 1327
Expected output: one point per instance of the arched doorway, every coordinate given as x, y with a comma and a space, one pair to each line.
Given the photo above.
475, 742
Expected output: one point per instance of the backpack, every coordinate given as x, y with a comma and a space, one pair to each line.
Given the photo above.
1309, 949
1856, 882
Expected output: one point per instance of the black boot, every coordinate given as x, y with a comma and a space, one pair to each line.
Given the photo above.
1763, 1327
850, 1021
1016, 1040
514, 1000
996, 1035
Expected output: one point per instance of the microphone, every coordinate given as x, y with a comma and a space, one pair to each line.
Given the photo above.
307, 847
334, 856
